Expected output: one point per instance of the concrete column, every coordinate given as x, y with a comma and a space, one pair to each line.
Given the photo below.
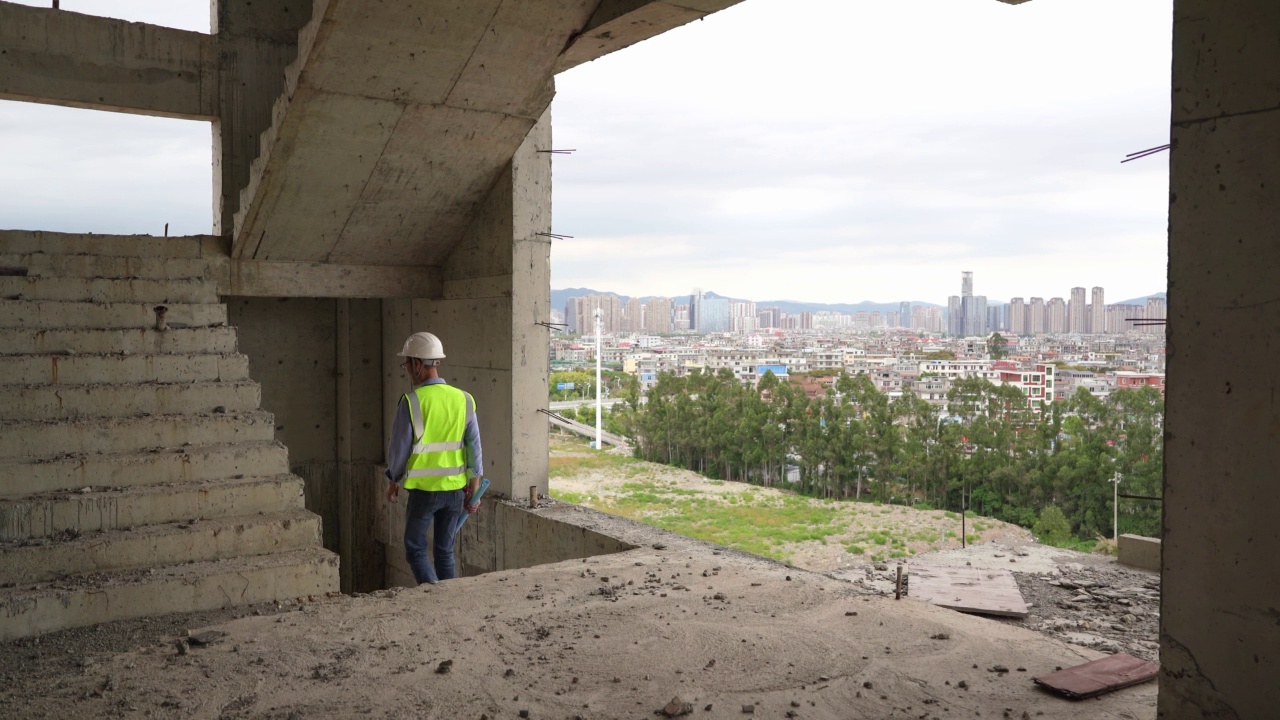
1220, 617
256, 40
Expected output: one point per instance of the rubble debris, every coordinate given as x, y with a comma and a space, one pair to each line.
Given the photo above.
1098, 676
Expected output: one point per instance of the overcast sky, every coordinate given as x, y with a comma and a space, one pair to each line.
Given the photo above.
815, 150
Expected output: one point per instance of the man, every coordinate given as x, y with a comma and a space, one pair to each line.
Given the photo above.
435, 452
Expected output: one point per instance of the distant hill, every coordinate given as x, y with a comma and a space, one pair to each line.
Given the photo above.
793, 307
1142, 300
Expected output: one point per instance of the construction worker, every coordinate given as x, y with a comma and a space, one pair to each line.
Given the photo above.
435, 453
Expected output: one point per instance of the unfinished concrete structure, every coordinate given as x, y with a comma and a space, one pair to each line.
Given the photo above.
379, 170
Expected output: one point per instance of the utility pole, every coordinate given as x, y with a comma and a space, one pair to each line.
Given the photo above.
1115, 509
599, 330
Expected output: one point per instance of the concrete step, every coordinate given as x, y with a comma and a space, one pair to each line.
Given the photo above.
108, 290
41, 264
49, 515
51, 369
21, 242
56, 314
51, 402
135, 341
101, 471
35, 439
92, 599
49, 559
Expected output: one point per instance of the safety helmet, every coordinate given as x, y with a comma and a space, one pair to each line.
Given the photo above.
424, 346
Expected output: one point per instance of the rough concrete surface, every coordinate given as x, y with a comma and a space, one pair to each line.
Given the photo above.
614, 636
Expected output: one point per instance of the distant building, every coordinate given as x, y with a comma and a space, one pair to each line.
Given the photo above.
1076, 312
1097, 313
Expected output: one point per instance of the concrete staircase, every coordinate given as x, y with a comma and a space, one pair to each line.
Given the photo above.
138, 475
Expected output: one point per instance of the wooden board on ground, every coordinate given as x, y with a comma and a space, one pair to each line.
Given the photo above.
1098, 677
989, 592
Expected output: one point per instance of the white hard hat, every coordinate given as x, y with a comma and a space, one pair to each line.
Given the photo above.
424, 346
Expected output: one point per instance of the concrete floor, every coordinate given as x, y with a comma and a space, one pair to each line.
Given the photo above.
614, 636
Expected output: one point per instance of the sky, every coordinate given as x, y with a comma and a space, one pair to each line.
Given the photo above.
809, 150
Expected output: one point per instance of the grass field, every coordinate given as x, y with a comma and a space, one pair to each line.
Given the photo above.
811, 533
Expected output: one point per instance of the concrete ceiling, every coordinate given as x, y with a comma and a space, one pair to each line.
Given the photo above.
402, 115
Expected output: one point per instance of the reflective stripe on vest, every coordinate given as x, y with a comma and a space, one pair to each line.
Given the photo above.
439, 414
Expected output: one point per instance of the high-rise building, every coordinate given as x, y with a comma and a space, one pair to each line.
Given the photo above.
1097, 313
975, 317
966, 284
955, 315
680, 316
657, 315
904, 314
1157, 309
1017, 317
713, 315
1076, 312
695, 302
633, 316
770, 317
995, 319
1056, 316
806, 320
1035, 317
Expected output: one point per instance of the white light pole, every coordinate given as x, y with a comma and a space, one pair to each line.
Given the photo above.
599, 330
1115, 510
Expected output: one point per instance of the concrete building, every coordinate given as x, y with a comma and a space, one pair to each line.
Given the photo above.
657, 316
1055, 313
1035, 317
1097, 313
1077, 313
348, 212
1017, 316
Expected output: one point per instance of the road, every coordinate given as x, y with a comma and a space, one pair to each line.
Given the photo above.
562, 404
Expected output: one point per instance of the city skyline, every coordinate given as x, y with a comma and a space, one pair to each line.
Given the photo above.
965, 315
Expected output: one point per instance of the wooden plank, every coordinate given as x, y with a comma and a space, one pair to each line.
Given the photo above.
989, 592
1099, 676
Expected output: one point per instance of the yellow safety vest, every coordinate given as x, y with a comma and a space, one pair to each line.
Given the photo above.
439, 413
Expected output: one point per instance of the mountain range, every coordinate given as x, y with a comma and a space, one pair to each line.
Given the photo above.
791, 307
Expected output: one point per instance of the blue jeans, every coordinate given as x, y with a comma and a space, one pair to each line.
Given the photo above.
425, 507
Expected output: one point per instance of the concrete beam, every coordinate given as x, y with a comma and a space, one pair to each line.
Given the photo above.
65, 58
617, 24
260, 278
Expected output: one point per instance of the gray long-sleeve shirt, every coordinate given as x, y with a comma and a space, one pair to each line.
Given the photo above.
402, 441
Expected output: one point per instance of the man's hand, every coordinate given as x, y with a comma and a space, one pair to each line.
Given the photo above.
473, 484
393, 492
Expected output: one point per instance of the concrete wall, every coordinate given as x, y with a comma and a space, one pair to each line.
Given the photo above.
1140, 552
501, 536
319, 362
1220, 614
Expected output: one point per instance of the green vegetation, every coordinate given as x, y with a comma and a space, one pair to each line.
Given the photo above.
994, 452
768, 523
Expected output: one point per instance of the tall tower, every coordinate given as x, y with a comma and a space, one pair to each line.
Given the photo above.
1098, 316
904, 314
1076, 312
1017, 317
968, 318
1035, 317
695, 305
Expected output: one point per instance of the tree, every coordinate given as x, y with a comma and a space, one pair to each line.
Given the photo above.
996, 347
1052, 528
